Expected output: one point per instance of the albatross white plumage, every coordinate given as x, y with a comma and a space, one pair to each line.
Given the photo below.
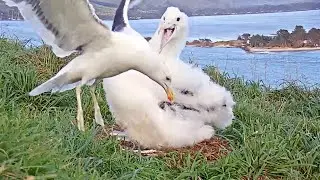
142, 115
72, 26
203, 99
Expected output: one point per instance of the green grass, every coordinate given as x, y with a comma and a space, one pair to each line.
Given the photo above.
276, 134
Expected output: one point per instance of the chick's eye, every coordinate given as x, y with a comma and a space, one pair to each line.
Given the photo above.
178, 19
224, 105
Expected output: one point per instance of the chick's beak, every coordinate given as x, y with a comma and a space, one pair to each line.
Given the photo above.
166, 34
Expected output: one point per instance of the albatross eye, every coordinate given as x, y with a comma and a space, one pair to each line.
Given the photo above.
164, 18
178, 19
168, 79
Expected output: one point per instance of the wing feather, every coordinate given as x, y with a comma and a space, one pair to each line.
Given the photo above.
121, 20
66, 25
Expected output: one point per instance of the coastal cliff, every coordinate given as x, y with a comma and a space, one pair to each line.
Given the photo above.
298, 40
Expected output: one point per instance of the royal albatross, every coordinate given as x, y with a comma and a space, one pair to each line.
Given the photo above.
202, 99
70, 26
157, 123
143, 116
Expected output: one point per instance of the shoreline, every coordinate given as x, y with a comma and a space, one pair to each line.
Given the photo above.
241, 44
257, 50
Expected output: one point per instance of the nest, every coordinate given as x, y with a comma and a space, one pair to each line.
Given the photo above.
211, 149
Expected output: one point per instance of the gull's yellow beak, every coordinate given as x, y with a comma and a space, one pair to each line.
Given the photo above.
170, 94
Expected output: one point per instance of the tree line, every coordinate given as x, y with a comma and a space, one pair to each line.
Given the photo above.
298, 38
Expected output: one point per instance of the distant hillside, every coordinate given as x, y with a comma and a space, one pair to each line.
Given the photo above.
146, 11
155, 8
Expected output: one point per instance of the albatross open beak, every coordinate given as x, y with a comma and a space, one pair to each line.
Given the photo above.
166, 35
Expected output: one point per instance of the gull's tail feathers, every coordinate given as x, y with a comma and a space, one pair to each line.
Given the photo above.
69, 77
54, 84
57, 84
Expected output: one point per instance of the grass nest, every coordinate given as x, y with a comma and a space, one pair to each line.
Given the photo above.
211, 149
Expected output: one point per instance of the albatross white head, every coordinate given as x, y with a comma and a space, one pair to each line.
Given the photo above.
172, 32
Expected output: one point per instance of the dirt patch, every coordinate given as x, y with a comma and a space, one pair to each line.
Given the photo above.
211, 149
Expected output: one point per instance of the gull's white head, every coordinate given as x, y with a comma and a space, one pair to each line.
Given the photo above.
162, 75
156, 69
173, 29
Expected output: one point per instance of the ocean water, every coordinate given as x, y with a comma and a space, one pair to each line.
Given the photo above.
272, 68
